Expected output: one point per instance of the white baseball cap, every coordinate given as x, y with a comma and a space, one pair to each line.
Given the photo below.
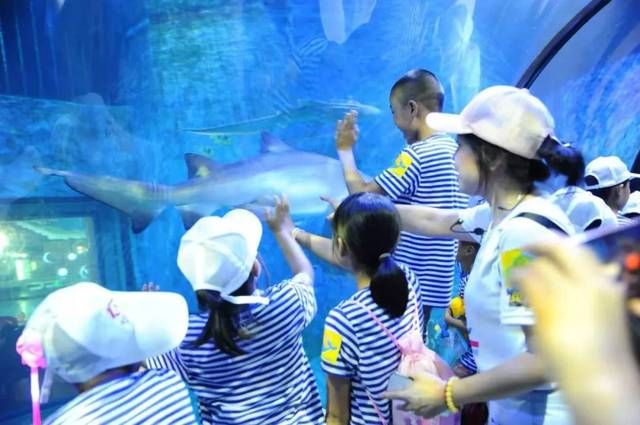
85, 329
608, 171
505, 116
633, 204
218, 253
583, 208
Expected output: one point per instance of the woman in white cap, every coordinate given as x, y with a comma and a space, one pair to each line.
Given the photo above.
97, 340
243, 354
608, 178
506, 146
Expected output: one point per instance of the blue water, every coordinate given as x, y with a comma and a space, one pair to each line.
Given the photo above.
107, 88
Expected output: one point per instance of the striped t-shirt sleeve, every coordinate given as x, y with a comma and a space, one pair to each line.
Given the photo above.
302, 285
339, 347
170, 360
300, 288
401, 178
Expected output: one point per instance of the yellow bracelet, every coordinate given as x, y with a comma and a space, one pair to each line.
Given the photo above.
448, 396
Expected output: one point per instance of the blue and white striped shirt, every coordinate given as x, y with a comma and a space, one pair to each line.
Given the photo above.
355, 347
148, 397
466, 359
272, 383
424, 173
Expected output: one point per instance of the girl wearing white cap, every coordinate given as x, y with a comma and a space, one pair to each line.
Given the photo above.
608, 178
506, 146
97, 340
243, 354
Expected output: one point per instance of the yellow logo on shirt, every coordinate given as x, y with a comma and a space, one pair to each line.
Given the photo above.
401, 165
331, 343
508, 261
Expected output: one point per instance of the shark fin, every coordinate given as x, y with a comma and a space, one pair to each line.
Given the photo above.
272, 144
194, 212
199, 166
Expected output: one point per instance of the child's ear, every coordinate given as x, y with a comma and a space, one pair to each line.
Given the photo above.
413, 107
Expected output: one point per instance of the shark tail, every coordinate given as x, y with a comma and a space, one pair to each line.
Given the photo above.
141, 201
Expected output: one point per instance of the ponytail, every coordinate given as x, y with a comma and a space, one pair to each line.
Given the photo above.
563, 158
221, 328
389, 287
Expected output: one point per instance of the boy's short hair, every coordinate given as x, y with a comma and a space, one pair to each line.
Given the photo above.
421, 86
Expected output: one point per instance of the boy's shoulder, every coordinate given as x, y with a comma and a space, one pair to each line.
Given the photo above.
435, 144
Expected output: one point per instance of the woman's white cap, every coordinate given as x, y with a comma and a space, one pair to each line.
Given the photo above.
505, 116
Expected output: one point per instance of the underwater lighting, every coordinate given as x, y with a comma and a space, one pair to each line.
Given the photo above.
63, 271
72, 256
22, 271
4, 241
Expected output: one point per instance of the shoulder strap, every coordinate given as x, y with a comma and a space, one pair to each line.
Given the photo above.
379, 323
543, 221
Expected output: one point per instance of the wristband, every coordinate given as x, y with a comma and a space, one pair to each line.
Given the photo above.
295, 232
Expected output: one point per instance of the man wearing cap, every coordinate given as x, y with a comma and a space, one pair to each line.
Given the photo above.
608, 178
97, 339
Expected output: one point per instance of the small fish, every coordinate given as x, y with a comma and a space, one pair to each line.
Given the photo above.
310, 111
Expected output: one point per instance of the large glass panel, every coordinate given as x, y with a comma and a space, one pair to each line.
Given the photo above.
103, 95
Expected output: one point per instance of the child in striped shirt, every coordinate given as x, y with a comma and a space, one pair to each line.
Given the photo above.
454, 316
97, 340
423, 173
357, 354
243, 353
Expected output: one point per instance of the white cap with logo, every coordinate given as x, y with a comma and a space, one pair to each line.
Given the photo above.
608, 171
505, 116
85, 329
218, 253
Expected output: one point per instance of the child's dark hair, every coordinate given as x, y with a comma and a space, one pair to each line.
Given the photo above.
221, 327
369, 226
492, 159
421, 86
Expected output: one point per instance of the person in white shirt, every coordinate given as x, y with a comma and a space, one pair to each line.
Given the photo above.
506, 145
608, 178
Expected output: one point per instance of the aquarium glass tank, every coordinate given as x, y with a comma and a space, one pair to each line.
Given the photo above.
129, 90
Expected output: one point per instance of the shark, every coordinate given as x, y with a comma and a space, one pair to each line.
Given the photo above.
310, 110
279, 169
